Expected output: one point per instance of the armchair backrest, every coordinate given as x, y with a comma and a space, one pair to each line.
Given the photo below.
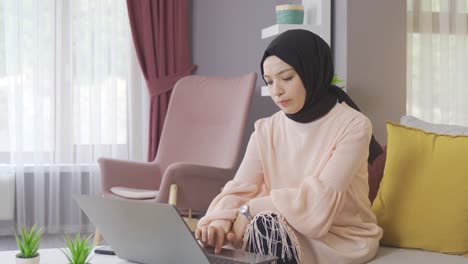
205, 121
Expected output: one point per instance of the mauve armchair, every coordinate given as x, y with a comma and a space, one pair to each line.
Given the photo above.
199, 147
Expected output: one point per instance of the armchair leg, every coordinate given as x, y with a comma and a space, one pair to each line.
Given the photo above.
191, 222
97, 238
173, 194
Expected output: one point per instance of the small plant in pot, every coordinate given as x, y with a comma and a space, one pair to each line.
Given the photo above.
78, 249
28, 243
336, 80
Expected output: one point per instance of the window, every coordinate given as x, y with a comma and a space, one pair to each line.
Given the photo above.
64, 79
438, 60
71, 91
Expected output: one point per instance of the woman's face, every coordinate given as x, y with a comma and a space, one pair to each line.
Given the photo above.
285, 85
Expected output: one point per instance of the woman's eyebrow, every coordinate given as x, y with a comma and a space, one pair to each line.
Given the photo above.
285, 70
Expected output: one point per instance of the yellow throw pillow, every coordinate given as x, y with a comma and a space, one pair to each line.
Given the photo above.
422, 201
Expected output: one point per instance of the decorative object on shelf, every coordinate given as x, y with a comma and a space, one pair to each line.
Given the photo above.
28, 245
316, 18
290, 14
78, 250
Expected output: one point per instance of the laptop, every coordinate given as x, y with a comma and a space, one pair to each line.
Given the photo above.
154, 233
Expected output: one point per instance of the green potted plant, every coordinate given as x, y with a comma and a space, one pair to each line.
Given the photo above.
78, 250
28, 244
336, 80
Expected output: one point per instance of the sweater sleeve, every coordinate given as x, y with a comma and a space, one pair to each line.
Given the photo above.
312, 207
246, 185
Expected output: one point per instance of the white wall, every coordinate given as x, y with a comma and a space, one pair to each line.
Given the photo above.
369, 43
370, 54
226, 40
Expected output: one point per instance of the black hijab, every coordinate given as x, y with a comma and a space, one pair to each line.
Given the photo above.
310, 56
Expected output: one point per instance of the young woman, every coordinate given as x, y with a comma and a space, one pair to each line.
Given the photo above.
301, 192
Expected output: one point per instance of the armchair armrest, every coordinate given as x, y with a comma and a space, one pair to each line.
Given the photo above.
131, 174
197, 185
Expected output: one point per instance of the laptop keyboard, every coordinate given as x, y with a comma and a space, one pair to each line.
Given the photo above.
217, 260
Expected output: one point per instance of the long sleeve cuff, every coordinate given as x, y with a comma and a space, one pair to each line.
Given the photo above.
261, 204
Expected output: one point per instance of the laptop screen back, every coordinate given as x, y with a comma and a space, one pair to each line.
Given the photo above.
142, 231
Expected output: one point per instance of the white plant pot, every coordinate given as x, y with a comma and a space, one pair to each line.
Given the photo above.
34, 260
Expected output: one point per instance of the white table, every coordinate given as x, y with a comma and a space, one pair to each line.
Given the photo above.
55, 256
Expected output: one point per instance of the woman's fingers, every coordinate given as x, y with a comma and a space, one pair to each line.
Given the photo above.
219, 240
198, 233
231, 237
211, 235
204, 234
235, 241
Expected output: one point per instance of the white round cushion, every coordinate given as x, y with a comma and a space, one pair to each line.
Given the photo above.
132, 193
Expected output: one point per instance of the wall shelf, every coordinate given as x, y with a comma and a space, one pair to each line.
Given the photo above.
280, 28
265, 91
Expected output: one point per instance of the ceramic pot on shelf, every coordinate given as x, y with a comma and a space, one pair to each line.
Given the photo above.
290, 14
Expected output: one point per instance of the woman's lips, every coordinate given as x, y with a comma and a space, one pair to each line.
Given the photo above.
284, 102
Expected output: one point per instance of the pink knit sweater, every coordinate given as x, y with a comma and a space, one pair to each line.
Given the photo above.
315, 176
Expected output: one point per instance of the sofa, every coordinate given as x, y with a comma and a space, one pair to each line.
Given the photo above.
395, 254
387, 255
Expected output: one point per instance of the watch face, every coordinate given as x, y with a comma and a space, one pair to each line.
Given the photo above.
243, 209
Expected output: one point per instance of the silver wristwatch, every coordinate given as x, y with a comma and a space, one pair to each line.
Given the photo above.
244, 209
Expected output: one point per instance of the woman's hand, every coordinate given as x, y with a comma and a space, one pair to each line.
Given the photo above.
236, 235
211, 236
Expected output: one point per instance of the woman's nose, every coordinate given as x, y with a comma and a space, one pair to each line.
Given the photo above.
276, 90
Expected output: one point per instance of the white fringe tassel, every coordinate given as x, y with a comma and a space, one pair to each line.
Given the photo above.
276, 227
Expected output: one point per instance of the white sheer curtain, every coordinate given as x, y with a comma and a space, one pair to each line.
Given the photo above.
437, 87
71, 91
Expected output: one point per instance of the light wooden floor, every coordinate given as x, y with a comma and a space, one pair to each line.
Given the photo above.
48, 241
